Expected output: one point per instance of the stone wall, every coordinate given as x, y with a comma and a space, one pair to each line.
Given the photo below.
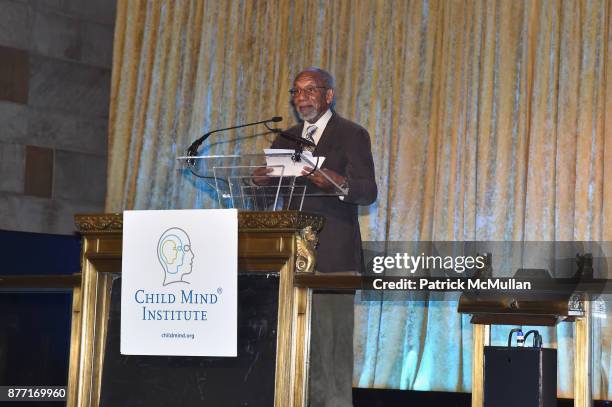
55, 69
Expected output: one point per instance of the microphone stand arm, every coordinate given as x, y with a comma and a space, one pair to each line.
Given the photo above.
193, 148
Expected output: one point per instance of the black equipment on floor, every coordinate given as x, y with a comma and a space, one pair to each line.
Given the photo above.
520, 376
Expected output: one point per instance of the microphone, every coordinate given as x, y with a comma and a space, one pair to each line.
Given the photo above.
298, 140
300, 144
193, 148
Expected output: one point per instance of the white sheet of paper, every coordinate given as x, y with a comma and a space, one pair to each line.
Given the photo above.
292, 168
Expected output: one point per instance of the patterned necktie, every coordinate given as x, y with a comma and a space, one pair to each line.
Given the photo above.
310, 131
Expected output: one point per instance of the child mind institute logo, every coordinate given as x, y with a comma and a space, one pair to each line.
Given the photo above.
175, 255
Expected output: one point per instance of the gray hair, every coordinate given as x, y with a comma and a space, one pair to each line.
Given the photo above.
328, 79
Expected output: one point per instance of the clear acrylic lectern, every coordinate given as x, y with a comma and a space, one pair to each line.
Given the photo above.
232, 178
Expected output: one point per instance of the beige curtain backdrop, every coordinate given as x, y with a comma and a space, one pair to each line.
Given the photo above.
490, 120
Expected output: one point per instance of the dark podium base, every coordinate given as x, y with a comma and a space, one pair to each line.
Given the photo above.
244, 381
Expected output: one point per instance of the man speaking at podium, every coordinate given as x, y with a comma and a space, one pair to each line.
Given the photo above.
348, 162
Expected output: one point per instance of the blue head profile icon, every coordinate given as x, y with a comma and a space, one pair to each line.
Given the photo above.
175, 255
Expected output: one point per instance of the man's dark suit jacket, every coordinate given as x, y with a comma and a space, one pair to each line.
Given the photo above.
347, 151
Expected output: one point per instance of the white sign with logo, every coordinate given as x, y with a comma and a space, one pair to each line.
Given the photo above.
179, 282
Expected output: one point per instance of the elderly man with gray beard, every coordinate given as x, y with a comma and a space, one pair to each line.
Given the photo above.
348, 162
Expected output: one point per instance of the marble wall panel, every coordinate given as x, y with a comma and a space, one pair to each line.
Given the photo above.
50, 5
66, 209
69, 87
56, 35
14, 120
97, 44
102, 11
15, 24
12, 161
79, 177
32, 214
36, 127
25, 213
67, 132
55, 60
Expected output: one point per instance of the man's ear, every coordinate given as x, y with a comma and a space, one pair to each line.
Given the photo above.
329, 96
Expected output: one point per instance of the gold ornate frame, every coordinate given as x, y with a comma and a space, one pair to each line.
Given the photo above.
267, 241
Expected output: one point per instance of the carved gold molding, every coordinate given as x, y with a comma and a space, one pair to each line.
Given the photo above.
280, 220
306, 242
105, 223
294, 220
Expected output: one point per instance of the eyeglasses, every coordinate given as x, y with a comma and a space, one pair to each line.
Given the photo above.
309, 91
